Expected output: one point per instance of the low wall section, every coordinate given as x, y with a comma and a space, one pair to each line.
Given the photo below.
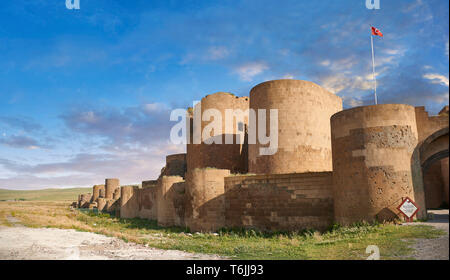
279, 201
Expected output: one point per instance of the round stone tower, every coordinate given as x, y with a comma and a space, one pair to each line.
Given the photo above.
110, 187
205, 200
129, 202
223, 156
304, 111
165, 207
372, 151
96, 192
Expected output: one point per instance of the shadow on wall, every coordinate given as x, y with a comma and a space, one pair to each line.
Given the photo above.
221, 156
430, 169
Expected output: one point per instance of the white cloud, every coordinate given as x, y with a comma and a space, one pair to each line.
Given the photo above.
437, 79
84, 170
339, 82
217, 52
247, 71
154, 107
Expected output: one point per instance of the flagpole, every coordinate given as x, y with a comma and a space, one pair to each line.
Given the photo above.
373, 69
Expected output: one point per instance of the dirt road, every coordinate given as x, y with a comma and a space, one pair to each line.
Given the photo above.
22, 243
433, 249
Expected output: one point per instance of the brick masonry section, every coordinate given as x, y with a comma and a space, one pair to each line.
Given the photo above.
279, 201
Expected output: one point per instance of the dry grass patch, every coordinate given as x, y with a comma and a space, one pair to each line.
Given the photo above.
338, 243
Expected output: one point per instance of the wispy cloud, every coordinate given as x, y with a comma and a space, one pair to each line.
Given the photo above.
437, 79
248, 71
18, 141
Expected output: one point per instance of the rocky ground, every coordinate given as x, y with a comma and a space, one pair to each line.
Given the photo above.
22, 243
433, 249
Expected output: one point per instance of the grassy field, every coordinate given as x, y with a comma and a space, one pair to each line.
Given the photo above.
338, 243
43, 195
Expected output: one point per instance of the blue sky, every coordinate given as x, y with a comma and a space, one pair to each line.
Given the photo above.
86, 94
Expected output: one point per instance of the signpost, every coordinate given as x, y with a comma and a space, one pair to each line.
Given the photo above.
408, 208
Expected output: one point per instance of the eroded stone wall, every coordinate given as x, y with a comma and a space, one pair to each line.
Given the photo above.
129, 202
304, 111
111, 185
148, 201
84, 200
279, 201
205, 205
372, 152
175, 165
232, 156
445, 174
165, 208
427, 125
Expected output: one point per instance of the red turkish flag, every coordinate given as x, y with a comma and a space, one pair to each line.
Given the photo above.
376, 32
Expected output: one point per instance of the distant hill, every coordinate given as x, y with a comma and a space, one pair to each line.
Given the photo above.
46, 194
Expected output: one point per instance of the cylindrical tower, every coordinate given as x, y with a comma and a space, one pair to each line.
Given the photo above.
165, 207
116, 195
372, 151
129, 202
101, 204
304, 111
110, 187
232, 156
102, 193
205, 202
96, 192
111, 205
84, 200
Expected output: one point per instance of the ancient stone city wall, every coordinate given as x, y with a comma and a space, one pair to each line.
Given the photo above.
304, 111
232, 156
175, 165
372, 151
427, 125
279, 201
166, 192
205, 209
376, 162
129, 202
111, 185
97, 191
147, 200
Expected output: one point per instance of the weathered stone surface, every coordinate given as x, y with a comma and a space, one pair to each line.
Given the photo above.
110, 187
279, 201
232, 156
304, 111
96, 192
372, 151
205, 204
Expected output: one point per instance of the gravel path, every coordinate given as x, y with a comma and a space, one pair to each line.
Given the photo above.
22, 243
433, 249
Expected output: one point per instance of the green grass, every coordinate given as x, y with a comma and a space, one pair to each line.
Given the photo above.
43, 195
336, 243
347, 243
